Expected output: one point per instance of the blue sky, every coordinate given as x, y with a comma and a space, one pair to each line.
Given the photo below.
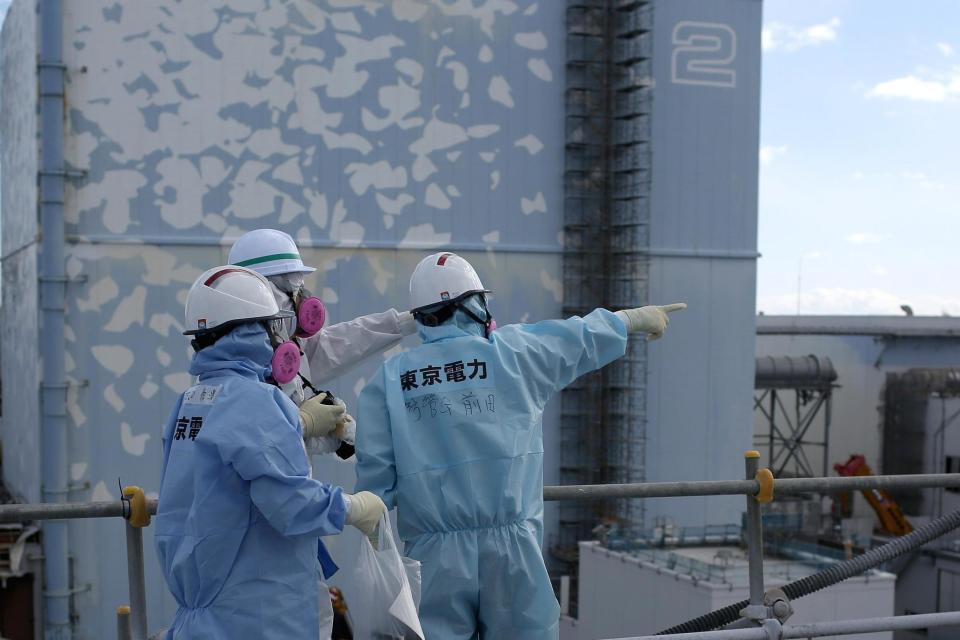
860, 157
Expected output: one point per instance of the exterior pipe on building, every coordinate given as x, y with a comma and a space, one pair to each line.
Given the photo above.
53, 395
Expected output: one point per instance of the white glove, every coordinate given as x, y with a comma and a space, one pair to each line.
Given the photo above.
652, 320
364, 511
406, 322
320, 419
346, 429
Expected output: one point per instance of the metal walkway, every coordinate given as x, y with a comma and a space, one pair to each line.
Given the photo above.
762, 619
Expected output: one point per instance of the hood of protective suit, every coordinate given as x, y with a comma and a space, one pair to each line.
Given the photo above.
246, 350
458, 326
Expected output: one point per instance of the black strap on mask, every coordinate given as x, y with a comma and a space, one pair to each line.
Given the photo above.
436, 316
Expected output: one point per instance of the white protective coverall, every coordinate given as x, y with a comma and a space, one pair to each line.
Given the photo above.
333, 351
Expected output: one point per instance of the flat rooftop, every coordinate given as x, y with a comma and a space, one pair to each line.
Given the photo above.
890, 326
728, 564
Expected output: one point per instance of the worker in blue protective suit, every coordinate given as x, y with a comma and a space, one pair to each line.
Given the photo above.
453, 438
239, 518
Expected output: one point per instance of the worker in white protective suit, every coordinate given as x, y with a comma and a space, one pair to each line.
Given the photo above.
325, 352
452, 437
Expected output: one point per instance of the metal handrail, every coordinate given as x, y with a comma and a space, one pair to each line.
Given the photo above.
769, 629
786, 486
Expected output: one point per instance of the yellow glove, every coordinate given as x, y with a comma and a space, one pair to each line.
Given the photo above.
320, 419
365, 511
651, 320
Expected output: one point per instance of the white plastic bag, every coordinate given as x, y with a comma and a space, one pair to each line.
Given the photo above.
412, 567
325, 610
382, 604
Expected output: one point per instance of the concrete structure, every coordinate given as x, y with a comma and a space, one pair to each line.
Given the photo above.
662, 108
373, 136
373, 132
630, 594
929, 582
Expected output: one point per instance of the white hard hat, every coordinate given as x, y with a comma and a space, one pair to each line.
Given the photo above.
442, 277
269, 252
226, 295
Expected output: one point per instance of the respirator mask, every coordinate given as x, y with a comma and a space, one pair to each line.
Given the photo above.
309, 309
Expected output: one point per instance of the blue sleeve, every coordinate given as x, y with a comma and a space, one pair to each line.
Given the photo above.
376, 465
264, 447
553, 353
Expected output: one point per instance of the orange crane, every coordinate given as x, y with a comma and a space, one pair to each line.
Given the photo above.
891, 517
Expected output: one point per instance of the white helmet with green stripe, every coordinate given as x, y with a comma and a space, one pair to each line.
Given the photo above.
269, 252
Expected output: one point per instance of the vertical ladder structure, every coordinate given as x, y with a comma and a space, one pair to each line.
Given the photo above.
606, 214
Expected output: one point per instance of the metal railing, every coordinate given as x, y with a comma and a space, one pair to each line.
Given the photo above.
762, 619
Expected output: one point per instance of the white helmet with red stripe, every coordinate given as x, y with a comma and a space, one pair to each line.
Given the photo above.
227, 295
442, 277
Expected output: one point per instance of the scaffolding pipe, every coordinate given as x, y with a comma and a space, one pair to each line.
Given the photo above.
136, 582
749, 487
25, 512
821, 629
652, 490
123, 623
754, 535
53, 279
67, 511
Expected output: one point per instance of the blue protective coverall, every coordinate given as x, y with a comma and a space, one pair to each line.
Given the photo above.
239, 519
452, 437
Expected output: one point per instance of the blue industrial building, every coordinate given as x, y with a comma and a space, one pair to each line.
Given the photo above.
578, 153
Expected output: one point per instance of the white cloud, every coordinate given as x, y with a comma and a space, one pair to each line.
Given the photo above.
924, 85
911, 88
864, 237
922, 180
945, 49
768, 152
784, 37
844, 301
879, 271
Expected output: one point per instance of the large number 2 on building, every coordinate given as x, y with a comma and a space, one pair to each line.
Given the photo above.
703, 54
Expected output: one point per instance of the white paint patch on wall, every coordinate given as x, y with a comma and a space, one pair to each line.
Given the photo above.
133, 444
499, 91
551, 284
129, 311
113, 398
178, 382
536, 205
149, 388
531, 143
425, 236
540, 68
101, 292
534, 40
78, 470
436, 198
113, 357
